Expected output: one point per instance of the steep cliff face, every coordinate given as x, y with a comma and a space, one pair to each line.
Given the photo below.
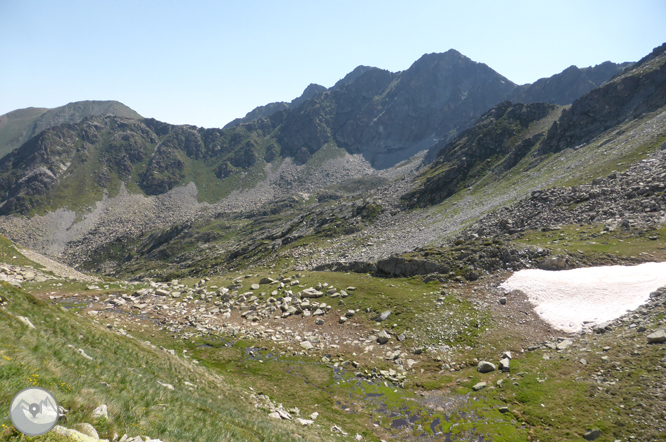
637, 91
567, 86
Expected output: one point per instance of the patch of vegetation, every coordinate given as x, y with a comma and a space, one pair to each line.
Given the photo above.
124, 375
10, 255
594, 241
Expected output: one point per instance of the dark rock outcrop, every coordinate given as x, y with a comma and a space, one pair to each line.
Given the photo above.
389, 117
497, 141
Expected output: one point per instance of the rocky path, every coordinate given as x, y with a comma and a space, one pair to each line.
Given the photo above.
57, 268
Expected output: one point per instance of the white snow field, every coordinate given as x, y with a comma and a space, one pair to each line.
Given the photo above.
571, 299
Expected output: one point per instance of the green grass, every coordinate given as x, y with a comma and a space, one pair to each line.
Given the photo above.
10, 255
215, 410
592, 241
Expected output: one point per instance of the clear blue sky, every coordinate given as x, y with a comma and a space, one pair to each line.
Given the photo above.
207, 62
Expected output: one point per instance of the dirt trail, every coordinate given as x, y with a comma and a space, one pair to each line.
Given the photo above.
58, 268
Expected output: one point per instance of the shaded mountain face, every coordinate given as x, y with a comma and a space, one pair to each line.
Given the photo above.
270, 108
389, 117
567, 86
19, 126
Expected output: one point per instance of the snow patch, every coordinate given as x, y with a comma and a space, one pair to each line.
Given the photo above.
569, 299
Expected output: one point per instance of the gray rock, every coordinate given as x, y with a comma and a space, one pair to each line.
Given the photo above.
75, 435
657, 337
383, 316
383, 337
100, 412
255, 287
336, 429
564, 344
502, 300
307, 345
87, 429
485, 367
319, 321
554, 263
592, 434
504, 409
506, 354
25, 321
479, 386
311, 293
504, 365
343, 319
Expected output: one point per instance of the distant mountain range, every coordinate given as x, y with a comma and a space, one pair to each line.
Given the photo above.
73, 154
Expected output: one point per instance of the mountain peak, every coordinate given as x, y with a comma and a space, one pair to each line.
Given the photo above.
19, 126
353, 75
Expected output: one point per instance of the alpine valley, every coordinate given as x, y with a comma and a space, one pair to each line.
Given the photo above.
329, 268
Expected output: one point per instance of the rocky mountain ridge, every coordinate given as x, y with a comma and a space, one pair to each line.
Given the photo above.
19, 126
271, 108
567, 86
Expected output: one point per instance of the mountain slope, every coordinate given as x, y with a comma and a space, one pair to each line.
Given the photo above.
496, 143
74, 165
497, 140
639, 90
19, 126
